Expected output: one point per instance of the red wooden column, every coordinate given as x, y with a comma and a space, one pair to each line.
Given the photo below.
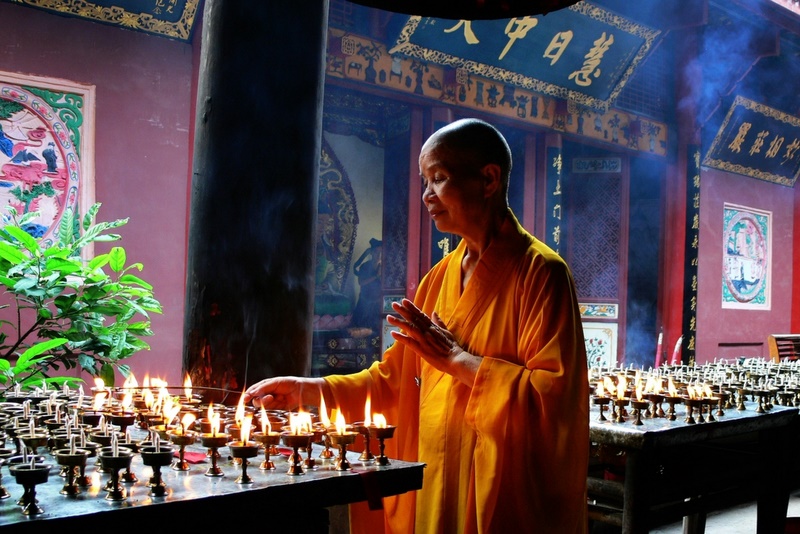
250, 285
672, 299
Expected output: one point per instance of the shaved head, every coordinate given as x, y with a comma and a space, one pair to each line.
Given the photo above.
472, 144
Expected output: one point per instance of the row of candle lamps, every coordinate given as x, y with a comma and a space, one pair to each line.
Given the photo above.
74, 427
706, 391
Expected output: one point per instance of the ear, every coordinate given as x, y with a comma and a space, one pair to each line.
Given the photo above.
492, 180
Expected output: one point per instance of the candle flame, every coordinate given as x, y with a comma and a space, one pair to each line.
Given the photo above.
146, 381
130, 382
609, 384
299, 423
99, 400
99, 383
639, 389
380, 420
367, 410
650, 385
214, 424
323, 411
187, 387
247, 421
673, 391
239, 415
341, 425
622, 384
210, 414
127, 401
265, 426
186, 421
171, 410
599, 390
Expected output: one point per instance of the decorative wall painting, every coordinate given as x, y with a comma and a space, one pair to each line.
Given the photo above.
601, 344
46, 140
746, 258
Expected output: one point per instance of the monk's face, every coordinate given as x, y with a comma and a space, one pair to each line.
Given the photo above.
453, 193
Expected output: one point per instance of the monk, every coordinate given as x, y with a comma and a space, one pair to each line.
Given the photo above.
487, 379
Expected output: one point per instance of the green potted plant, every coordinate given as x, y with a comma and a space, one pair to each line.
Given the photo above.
61, 310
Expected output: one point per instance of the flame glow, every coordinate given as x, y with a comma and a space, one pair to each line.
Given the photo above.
266, 427
187, 387
341, 425
186, 421
323, 411
367, 410
127, 401
609, 384
214, 424
673, 391
621, 386
130, 382
239, 415
247, 421
300, 423
170, 411
380, 420
99, 400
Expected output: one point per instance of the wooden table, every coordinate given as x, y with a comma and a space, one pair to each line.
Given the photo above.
648, 475
275, 501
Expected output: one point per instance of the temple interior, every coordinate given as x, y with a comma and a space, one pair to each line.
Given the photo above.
266, 160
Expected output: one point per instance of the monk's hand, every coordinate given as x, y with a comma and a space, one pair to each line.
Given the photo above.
428, 337
283, 393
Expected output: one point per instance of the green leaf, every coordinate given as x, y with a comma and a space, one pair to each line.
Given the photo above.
11, 253
25, 238
132, 279
87, 363
40, 348
107, 374
66, 230
117, 259
27, 217
151, 305
88, 218
97, 262
62, 265
25, 283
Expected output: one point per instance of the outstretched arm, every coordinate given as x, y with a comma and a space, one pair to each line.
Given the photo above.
286, 392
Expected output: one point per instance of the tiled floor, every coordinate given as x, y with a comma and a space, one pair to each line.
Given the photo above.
737, 520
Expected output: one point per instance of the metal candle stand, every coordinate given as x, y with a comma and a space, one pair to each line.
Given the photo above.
78, 432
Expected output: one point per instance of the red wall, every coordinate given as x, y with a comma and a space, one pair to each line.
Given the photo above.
143, 115
726, 333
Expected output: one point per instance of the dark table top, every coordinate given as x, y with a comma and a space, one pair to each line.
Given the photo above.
203, 500
660, 432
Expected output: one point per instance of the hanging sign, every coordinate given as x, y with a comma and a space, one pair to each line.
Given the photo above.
167, 18
582, 53
759, 141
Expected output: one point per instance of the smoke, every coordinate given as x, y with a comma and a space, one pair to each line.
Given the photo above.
641, 340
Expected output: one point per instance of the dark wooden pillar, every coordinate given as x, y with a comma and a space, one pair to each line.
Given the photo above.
250, 287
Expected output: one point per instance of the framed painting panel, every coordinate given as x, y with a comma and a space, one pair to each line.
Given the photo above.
601, 344
46, 150
746, 258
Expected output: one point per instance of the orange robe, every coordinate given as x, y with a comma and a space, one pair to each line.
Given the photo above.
509, 454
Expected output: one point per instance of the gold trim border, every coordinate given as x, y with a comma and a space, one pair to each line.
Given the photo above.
506, 76
144, 22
